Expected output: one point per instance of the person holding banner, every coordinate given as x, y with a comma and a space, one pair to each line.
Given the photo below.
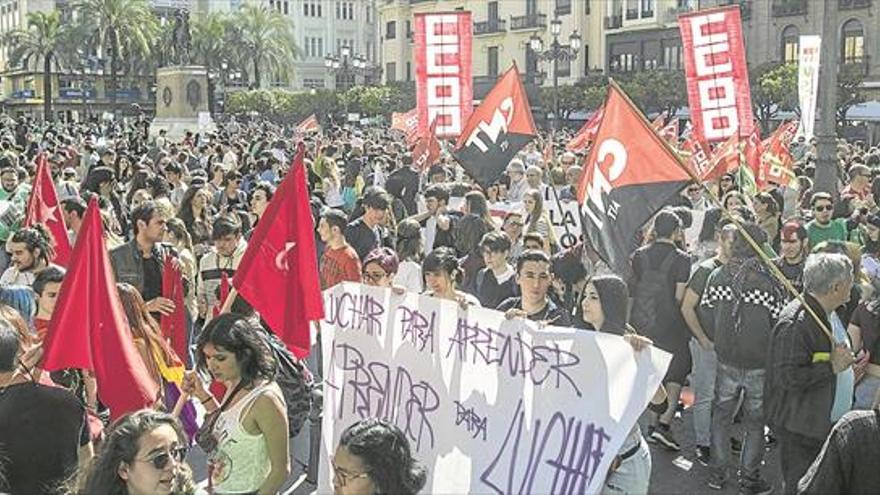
442, 273
534, 277
604, 309
374, 457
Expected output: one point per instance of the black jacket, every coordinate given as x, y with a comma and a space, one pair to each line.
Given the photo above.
798, 391
128, 264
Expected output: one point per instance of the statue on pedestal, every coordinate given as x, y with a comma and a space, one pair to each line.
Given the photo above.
181, 38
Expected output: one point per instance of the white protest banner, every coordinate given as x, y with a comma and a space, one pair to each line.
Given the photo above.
489, 405
808, 82
565, 217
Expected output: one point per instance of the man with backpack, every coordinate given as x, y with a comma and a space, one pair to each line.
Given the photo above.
660, 275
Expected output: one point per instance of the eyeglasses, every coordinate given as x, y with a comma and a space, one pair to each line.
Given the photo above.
344, 476
823, 208
374, 276
515, 224
161, 461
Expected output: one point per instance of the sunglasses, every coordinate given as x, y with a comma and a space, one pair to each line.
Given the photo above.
161, 461
823, 208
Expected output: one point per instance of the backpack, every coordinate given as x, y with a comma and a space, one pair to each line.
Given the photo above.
295, 381
651, 295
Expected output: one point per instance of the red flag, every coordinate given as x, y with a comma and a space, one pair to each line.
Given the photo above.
697, 155
587, 133
43, 208
89, 329
174, 325
310, 124
407, 123
753, 149
278, 273
670, 132
777, 164
427, 149
725, 158
630, 174
497, 130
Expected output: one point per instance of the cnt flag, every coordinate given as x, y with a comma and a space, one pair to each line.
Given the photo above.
310, 124
43, 208
278, 273
587, 133
500, 127
629, 175
427, 149
89, 329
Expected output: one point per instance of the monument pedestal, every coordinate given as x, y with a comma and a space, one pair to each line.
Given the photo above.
182, 101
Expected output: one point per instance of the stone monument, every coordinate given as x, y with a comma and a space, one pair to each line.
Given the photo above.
181, 89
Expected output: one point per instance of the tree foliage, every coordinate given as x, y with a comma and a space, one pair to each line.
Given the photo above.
774, 87
849, 89
571, 99
658, 91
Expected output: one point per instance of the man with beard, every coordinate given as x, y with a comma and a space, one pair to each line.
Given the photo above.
13, 201
30, 255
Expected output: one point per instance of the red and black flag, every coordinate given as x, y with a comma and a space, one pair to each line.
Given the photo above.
500, 127
630, 174
427, 149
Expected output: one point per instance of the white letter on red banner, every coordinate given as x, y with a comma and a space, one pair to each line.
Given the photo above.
443, 71
717, 75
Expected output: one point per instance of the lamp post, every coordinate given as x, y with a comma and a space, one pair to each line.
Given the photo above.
555, 53
347, 66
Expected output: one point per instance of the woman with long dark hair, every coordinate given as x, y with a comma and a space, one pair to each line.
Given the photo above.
374, 457
442, 273
604, 308
142, 455
409, 252
247, 437
195, 211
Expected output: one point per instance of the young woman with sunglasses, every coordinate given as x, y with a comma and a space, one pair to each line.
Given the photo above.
143, 454
374, 457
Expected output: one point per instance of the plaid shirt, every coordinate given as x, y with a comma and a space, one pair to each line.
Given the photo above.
849, 459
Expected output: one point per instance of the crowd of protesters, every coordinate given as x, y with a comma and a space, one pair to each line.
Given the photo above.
793, 362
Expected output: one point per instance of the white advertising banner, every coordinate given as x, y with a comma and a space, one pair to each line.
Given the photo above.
489, 405
808, 82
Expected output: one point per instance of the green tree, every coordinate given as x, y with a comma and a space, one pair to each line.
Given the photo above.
40, 41
402, 97
571, 99
658, 91
774, 88
849, 89
267, 38
121, 29
595, 88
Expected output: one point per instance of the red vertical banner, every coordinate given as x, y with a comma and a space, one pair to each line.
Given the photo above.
444, 90
717, 76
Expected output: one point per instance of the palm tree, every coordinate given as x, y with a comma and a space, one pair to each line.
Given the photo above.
41, 41
267, 37
122, 29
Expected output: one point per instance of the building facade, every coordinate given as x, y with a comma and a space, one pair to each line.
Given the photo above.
323, 28
501, 36
643, 34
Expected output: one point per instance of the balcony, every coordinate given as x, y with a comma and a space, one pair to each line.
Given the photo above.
563, 7
788, 8
677, 11
413, 2
853, 4
531, 21
632, 14
745, 8
490, 26
859, 65
614, 22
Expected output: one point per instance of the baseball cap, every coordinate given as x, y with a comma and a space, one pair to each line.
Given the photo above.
793, 231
